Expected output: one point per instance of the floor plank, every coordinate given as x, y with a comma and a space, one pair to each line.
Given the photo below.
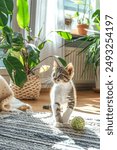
87, 102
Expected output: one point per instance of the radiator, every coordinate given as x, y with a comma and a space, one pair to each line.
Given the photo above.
82, 80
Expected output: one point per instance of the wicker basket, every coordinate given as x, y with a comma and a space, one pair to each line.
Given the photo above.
30, 90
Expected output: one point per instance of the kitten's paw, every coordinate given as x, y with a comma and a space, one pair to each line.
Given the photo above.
61, 125
58, 125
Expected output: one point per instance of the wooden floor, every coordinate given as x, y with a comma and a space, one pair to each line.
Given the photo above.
88, 102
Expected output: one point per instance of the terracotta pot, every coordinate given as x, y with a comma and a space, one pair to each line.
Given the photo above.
82, 29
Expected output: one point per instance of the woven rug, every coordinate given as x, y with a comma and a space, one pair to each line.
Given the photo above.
34, 131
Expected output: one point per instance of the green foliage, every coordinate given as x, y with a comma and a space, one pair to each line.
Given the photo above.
65, 35
3, 19
6, 8
96, 18
21, 57
33, 56
16, 70
92, 50
75, 15
41, 46
63, 62
23, 17
82, 18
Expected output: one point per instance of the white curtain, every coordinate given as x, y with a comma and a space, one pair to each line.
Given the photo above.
54, 21
48, 14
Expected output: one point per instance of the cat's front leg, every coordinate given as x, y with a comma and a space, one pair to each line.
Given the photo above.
67, 113
57, 114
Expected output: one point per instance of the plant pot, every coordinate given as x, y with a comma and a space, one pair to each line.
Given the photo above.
68, 21
30, 90
82, 29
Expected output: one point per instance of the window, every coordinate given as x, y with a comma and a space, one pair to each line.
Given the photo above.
70, 7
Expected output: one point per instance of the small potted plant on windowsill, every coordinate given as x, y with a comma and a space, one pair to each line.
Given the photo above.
21, 56
83, 20
68, 19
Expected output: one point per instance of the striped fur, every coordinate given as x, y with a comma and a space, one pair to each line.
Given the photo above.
63, 91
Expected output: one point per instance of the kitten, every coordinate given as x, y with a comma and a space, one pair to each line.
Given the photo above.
6, 95
63, 91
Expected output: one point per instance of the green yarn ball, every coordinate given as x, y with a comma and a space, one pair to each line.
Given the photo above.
78, 123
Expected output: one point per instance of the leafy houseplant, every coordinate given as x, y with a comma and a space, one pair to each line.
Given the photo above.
83, 21
92, 48
68, 19
21, 56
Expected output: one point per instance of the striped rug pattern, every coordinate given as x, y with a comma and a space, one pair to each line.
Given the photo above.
34, 131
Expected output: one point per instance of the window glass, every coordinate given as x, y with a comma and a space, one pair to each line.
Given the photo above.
86, 7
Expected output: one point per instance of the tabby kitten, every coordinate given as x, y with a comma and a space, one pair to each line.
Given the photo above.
6, 95
63, 91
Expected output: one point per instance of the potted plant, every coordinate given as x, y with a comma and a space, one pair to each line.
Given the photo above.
68, 19
21, 55
83, 20
92, 48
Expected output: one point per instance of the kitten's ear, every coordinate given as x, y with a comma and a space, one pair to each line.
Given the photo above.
70, 68
55, 64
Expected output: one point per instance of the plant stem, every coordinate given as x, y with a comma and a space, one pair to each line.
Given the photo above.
84, 10
41, 62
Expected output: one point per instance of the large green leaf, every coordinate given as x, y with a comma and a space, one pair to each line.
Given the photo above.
9, 5
17, 41
5, 45
75, 15
65, 35
96, 16
15, 70
41, 46
3, 19
63, 62
3, 7
23, 17
7, 31
33, 56
40, 32
6, 6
